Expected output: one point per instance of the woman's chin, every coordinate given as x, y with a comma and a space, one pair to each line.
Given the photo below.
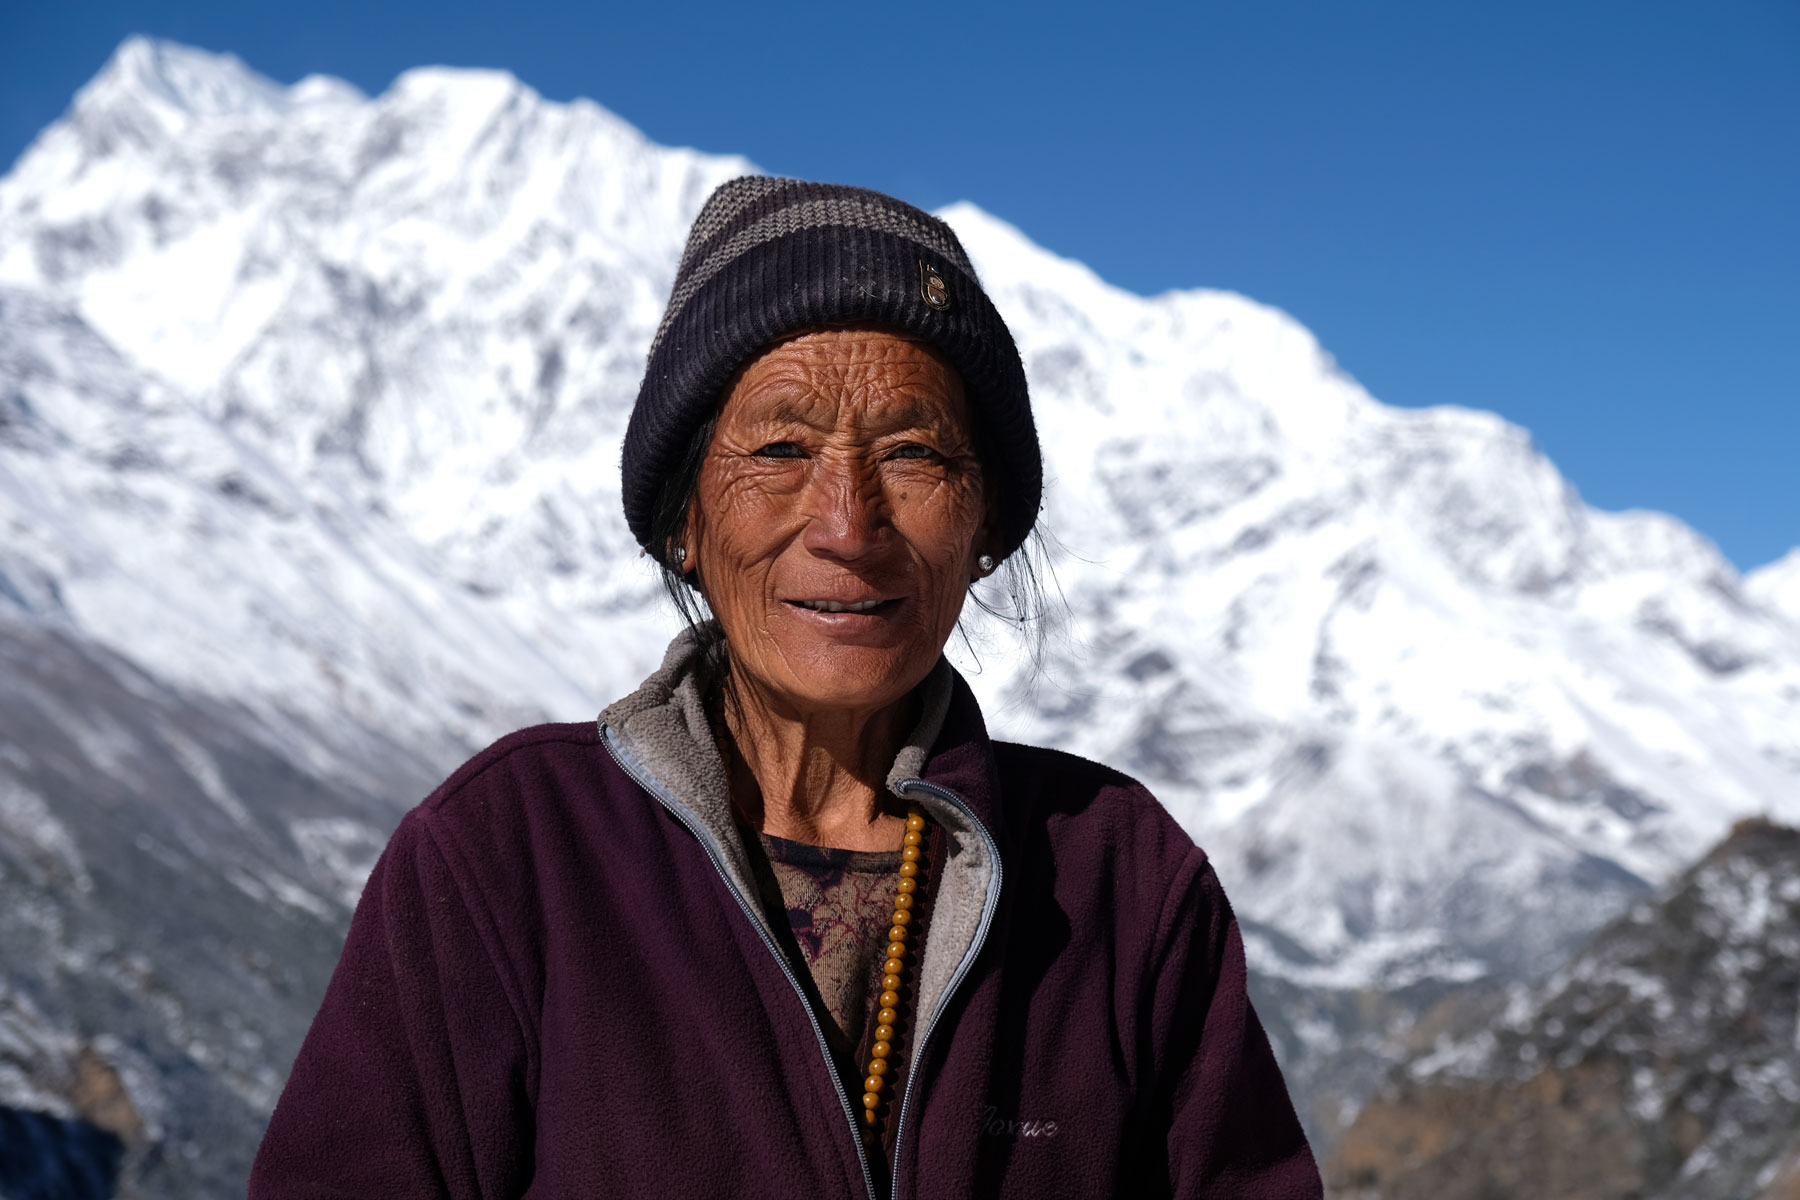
847, 677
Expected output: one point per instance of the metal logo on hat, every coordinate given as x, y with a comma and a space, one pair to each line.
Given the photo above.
932, 287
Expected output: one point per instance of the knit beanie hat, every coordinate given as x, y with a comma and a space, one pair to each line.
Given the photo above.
768, 257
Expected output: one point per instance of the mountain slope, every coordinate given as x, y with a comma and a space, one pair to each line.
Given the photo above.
309, 413
174, 885
1662, 1061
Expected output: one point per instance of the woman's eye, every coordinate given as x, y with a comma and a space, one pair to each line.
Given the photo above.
913, 450
781, 450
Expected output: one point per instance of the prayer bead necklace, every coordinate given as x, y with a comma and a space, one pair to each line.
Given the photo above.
887, 1020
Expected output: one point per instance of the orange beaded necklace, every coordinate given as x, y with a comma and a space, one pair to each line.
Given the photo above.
887, 1019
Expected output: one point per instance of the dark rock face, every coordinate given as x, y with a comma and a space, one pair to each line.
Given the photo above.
1663, 1061
47, 1158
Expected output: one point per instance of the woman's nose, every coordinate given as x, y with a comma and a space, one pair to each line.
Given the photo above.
847, 517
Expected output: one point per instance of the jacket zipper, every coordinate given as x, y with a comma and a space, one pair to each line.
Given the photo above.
631, 767
989, 903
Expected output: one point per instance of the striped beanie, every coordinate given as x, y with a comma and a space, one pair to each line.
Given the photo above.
768, 257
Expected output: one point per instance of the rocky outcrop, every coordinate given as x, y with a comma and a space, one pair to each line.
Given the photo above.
68, 1121
1662, 1062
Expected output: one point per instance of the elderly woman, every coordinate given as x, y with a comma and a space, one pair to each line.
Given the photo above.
785, 921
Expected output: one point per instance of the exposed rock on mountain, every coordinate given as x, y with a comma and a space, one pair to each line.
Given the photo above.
1663, 1061
310, 406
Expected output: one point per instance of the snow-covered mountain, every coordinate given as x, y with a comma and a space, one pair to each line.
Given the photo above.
1777, 586
310, 406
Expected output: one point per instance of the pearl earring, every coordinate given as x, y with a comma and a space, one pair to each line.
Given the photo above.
680, 555
986, 563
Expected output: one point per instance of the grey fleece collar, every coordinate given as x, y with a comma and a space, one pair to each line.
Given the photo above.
661, 735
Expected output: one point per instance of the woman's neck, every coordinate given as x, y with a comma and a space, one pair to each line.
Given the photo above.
815, 777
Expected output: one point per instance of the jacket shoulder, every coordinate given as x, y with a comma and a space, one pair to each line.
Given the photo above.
529, 750
1016, 759
1078, 798
489, 824
1065, 780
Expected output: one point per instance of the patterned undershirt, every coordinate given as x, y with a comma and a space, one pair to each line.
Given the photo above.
838, 905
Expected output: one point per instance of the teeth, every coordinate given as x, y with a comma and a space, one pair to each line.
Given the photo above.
834, 606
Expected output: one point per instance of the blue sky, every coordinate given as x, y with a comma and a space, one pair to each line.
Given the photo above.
1580, 215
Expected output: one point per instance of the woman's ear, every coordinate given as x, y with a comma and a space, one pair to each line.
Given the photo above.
984, 553
684, 550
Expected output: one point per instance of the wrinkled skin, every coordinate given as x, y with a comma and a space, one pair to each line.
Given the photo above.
842, 468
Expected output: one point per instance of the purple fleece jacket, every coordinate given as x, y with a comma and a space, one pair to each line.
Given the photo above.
557, 985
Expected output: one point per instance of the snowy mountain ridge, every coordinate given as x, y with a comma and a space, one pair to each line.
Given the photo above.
310, 405
1776, 587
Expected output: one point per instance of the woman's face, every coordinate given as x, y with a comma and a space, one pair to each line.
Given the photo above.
838, 517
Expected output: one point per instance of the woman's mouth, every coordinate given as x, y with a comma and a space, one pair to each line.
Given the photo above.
840, 606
